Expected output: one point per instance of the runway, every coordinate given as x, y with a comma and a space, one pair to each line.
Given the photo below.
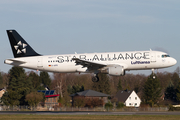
87, 113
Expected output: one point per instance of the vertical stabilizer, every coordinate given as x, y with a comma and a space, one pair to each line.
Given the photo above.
19, 46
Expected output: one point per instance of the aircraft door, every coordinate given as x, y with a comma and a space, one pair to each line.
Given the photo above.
153, 57
39, 63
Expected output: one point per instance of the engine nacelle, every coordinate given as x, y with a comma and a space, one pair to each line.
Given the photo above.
116, 70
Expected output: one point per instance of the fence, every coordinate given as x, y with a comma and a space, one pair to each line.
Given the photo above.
39, 108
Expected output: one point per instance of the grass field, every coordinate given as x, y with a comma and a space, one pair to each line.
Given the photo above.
89, 117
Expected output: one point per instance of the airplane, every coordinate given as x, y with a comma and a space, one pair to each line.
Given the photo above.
112, 63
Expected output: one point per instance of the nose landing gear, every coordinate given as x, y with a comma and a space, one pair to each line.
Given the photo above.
153, 74
95, 78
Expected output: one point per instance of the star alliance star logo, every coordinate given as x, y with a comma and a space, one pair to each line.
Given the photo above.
20, 47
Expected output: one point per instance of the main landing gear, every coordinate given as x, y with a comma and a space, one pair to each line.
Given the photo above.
153, 74
95, 78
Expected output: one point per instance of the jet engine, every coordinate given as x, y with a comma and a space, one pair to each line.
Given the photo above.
114, 70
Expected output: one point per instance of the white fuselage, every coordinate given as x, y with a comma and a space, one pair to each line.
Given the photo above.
135, 60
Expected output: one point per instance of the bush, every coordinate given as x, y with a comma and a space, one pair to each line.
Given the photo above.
171, 108
79, 102
34, 98
108, 105
120, 105
95, 102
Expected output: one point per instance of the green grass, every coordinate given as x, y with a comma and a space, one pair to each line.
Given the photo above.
89, 117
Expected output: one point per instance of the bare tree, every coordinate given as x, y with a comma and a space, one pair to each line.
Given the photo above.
59, 83
177, 70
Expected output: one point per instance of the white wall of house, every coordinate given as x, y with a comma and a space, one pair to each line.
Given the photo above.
133, 100
2, 92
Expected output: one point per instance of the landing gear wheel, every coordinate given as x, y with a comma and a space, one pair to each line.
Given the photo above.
95, 79
153, 74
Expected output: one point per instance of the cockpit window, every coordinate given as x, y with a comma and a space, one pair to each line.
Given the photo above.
164, 56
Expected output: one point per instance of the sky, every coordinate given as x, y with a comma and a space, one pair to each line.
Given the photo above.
88, 26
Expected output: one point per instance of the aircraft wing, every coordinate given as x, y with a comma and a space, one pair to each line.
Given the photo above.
90, 65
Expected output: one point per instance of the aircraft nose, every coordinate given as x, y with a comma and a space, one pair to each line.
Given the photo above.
173, 61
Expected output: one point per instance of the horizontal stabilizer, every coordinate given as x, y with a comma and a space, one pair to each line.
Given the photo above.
12, 60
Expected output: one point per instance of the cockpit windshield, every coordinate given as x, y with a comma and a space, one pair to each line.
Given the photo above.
164, 56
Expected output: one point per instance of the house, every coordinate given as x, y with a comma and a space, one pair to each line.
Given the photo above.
2, 91
129, 98
90, 94
51, 98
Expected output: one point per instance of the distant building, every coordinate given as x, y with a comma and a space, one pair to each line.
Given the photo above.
90, 94
129, 98
2, 91
51, 98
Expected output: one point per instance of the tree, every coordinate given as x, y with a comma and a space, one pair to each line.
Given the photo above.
59, 83
119, 86
11, 98
136, 88
178, 92
24, 87
4, 80
175, 79
75, 89
177, 70
152, 90
103, 84
69, 89
1, 81
45, 79
14, 74
19, 86
170, 92
36, 82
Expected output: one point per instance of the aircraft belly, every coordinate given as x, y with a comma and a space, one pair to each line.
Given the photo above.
31, 65
66, 69
141, 65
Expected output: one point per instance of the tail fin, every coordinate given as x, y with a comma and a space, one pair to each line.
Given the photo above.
19, 46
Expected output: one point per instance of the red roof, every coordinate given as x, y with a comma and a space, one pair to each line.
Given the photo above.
52, 95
